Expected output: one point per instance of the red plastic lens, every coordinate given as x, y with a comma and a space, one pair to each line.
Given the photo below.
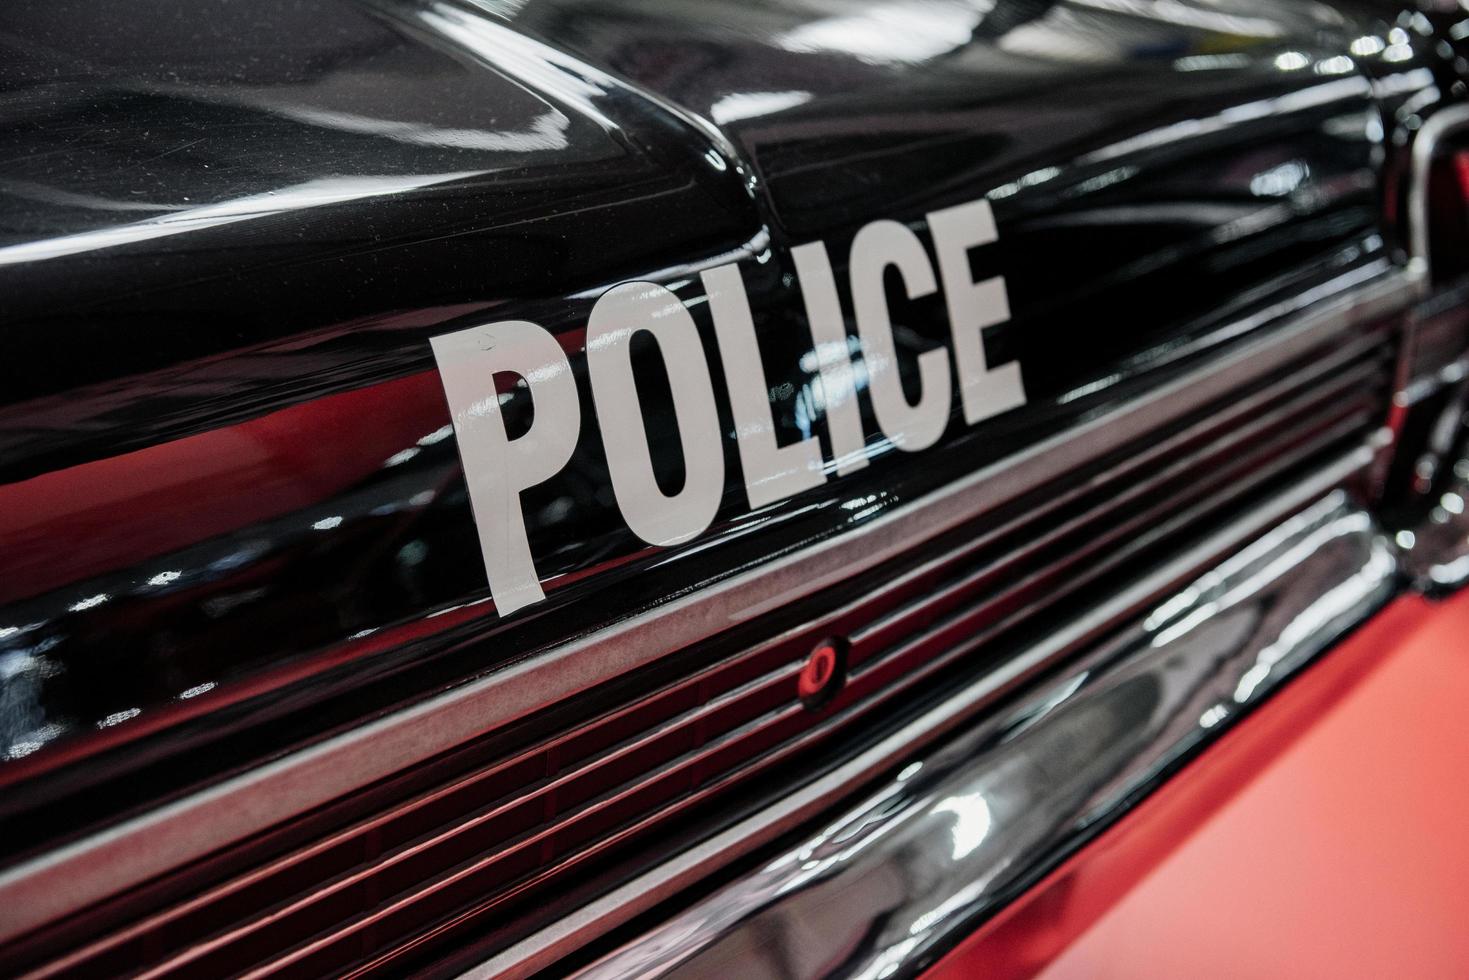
821, 674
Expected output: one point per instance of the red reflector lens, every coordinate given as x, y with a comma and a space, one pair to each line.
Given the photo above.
821, 675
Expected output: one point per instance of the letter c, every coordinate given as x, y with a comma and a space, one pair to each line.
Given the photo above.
910, 427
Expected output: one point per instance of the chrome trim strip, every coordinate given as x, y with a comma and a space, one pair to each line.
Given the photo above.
1435, 546
1440, 124
59, 882
545, 947
917, 864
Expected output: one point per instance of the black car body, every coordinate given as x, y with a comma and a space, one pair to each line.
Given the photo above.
1109, 291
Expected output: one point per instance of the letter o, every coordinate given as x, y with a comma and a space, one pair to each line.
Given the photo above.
619, 314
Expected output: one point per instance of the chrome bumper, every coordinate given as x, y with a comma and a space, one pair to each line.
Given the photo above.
889, 885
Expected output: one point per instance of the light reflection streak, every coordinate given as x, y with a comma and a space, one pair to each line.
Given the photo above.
33, 741
317, 193
1307, 98
118, 717
885, 33
437, 436
1213, 62
1337, 603
749, 105
971, 822
1029, 180
1188, 15
547, 132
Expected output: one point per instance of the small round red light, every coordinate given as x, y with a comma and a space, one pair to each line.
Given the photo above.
821, 674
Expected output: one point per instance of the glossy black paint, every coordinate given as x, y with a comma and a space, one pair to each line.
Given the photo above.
232, 517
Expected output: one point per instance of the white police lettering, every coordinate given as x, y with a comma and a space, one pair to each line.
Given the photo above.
498, 468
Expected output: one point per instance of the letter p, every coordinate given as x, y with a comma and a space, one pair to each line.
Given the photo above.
496, 467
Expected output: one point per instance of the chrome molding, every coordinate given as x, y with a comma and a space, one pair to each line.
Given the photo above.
890, 884
58, 883
1436, 548
1442, 123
